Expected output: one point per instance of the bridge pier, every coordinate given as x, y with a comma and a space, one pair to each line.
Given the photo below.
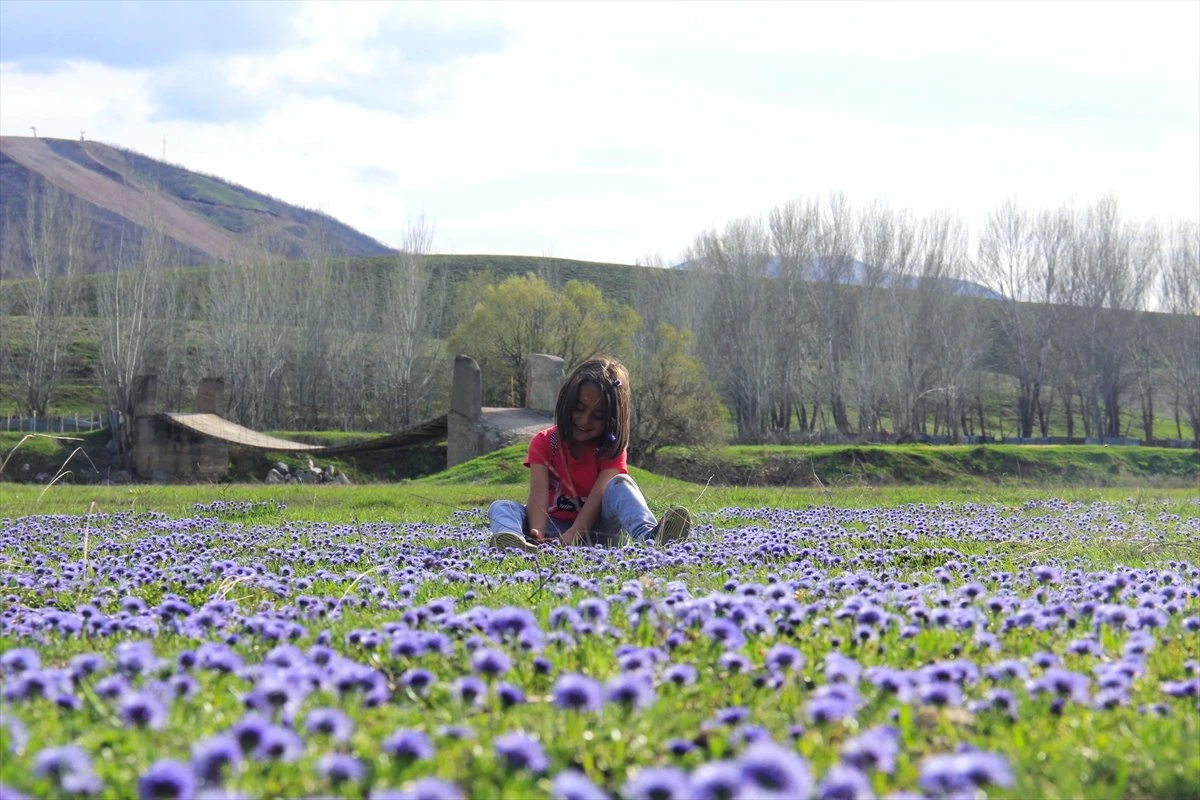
162, 452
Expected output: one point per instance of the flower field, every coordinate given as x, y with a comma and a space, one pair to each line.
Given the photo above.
1047, 649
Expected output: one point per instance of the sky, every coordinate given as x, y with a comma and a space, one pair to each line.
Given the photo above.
619, 131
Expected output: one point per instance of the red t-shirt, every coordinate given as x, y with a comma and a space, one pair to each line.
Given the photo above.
567, 496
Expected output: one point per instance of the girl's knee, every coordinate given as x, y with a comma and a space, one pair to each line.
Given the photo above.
502, 506
622, 480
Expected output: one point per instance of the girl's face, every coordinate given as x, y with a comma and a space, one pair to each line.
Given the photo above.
588, 417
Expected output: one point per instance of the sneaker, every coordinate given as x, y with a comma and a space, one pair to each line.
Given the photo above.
676, 524
507, 540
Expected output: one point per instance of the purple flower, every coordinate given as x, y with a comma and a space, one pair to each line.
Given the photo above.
509, 695
840, 669
783, 658
680, 674
680, 747
278, 744
577, 693
135, 658
470, 690
69, 767
15, 732
408, 745
424, 789
167, 780
249, 732
843, 782
21, 659
456, 732
1062, 683
731, 715
1047, 574
769, 768
329, 722
340, 768
87, 664
490, 662
212, 756
142, 710
630, 690
954, 773
715, 780
1186, 688
874, 748
572, 785
725, 632
657, 783
419, 680
940, 693
832, 703
521, 751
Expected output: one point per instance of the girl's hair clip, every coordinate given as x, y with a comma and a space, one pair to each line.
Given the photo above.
617, 382
612, 437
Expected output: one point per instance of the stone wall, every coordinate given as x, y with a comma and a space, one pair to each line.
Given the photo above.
163, 452
473, 429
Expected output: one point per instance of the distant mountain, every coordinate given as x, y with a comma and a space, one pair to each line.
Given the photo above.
122, 194
852, 272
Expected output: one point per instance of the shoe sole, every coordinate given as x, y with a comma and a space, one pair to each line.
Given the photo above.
506, 540
675, 525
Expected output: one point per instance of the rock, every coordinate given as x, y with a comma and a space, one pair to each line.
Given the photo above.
274, 476
341, 478
281, 468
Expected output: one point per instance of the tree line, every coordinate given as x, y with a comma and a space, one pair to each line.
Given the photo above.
815, 317
805, 351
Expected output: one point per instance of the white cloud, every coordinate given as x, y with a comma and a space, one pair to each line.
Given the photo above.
608, 130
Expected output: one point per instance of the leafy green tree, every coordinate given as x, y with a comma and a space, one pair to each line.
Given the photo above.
674, 402
524, 315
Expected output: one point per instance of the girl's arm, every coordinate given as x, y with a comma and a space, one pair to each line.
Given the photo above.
535, 507
591, 509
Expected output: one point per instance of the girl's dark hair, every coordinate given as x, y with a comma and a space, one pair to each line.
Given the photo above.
612, 379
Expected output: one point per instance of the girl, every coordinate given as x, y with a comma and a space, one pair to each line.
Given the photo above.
579, 488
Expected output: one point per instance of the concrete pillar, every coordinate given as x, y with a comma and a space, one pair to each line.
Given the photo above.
143, 395
464, 440
210, 397
143, 399
544, 376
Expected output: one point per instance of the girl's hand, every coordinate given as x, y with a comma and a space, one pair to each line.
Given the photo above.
568, 537
536, 535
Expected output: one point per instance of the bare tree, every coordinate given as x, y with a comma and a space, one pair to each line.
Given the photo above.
1020, 258
132, 303
1179, 290
794, 229
52, 243
408, 350
739, 331
833, 303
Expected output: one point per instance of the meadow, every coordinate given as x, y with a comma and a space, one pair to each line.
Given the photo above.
364, 641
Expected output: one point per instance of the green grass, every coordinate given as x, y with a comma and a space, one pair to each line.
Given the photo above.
1080, 753
974, 465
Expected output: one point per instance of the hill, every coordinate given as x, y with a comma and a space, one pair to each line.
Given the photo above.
852, 272
121, 194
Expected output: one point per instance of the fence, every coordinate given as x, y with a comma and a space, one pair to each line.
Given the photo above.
921, 438
54, 424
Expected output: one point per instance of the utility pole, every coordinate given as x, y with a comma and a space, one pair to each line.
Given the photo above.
34, 129
81, 133
164, 158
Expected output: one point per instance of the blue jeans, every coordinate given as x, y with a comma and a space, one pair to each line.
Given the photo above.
623, 507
